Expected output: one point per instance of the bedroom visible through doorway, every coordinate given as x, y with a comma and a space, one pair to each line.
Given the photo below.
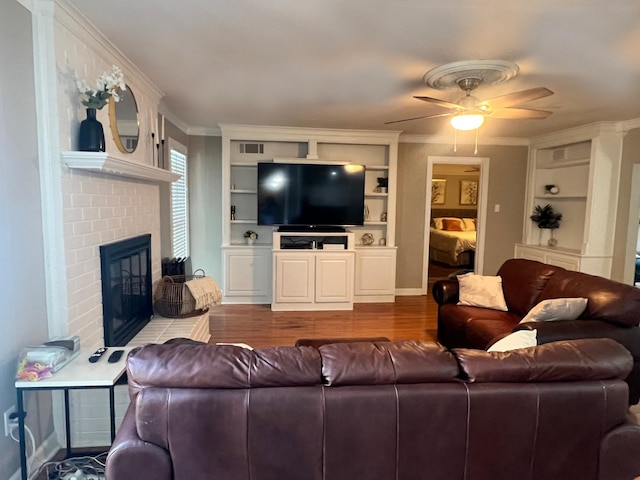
454, 217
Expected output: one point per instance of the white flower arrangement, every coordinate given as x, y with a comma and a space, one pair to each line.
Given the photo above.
107, 86
251, 234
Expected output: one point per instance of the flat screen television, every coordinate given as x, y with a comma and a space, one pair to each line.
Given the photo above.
318, 195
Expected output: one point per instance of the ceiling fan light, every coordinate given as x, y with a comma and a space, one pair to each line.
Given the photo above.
467, 121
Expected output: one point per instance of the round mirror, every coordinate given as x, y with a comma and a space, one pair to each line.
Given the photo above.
123, 117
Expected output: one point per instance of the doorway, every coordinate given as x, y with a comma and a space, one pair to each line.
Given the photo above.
455, 214
632, 261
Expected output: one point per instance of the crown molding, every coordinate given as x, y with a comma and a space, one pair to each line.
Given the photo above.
306, 134
631, 124
102, 162
71, 18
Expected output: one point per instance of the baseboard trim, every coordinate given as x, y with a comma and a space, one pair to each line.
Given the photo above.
406, 292
44, 453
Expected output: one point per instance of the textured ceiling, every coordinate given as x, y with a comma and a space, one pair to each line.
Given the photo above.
357, 64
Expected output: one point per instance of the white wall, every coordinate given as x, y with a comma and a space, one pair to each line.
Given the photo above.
23, 318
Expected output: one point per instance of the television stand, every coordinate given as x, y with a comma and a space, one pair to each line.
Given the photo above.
310, 228
313, 270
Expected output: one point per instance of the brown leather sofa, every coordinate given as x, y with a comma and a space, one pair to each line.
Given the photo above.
613, 311
405, 410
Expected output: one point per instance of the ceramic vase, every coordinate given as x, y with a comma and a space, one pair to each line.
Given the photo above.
91, 137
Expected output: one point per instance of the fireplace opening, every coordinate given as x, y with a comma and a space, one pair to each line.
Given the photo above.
126, 288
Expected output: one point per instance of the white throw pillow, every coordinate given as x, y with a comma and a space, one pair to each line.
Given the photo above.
469, 224
556, 309
481, 291
519, 339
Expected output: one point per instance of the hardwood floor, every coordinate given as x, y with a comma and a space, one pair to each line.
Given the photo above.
409, 318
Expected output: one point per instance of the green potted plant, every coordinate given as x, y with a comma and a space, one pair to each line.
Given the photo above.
251, 236
547, 217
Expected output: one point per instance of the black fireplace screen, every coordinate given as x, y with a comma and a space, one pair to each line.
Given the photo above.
126, 288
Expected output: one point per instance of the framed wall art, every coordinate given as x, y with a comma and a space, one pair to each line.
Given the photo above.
468, 192
438, 190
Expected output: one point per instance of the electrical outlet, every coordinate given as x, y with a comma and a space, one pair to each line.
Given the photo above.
10, 423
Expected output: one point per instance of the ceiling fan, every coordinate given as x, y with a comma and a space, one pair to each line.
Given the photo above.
469, 112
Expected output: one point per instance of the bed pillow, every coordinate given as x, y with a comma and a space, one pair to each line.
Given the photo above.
556, 309
469, 224
437, 222
515, 340
481, 291
452, 225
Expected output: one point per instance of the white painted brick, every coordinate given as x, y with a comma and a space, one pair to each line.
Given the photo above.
99, 225
82, 228
80, 200
92, 239
91, 213
73, 214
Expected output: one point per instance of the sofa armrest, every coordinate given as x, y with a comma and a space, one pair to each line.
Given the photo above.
558, 330
131, 457
445, 291
619, 452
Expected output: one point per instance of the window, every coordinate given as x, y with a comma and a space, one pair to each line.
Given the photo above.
179, 202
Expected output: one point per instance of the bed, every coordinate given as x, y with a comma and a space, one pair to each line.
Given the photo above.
452, 240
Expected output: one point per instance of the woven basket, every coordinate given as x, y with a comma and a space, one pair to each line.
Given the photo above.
173, 300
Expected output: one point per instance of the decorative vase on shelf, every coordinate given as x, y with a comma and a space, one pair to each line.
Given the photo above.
250, 241
552, 242
91, 137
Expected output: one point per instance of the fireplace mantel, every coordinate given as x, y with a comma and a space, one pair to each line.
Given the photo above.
108, 164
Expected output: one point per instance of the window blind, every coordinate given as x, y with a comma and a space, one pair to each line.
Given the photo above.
179, 206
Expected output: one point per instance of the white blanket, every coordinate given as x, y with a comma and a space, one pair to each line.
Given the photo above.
453, 243
205, 291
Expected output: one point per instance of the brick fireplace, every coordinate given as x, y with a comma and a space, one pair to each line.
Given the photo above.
108, 201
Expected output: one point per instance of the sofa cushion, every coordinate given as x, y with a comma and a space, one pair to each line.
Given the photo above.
221, 366
523, 281
481, 291
474, 327
383, 363
570, 360
556, 309
515, 340
609, 300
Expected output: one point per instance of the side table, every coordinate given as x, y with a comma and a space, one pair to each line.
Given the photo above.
79, 374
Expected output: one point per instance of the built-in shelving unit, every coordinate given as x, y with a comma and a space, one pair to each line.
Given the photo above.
583, 164
244, 146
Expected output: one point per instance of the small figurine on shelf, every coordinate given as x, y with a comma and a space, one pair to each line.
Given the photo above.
551, 189
233, 212
383, 184
251, 236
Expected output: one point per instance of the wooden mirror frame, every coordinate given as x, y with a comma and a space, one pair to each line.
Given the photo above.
125, 143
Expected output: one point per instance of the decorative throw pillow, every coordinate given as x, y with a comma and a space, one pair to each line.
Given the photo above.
556, 309
452, 224
469, 224
519, 339
481, 291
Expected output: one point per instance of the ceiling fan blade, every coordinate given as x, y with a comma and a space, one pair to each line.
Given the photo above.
516, 98
418, 118
519, 113
442, 103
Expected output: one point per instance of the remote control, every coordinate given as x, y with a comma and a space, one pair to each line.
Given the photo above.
115, 356
98, 353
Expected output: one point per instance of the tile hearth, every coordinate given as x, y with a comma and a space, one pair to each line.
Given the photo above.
160, 329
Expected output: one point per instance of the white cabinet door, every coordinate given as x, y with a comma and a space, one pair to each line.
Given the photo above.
334, 278
248, 275
294, 277
529, 253
570, 261
375, 271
